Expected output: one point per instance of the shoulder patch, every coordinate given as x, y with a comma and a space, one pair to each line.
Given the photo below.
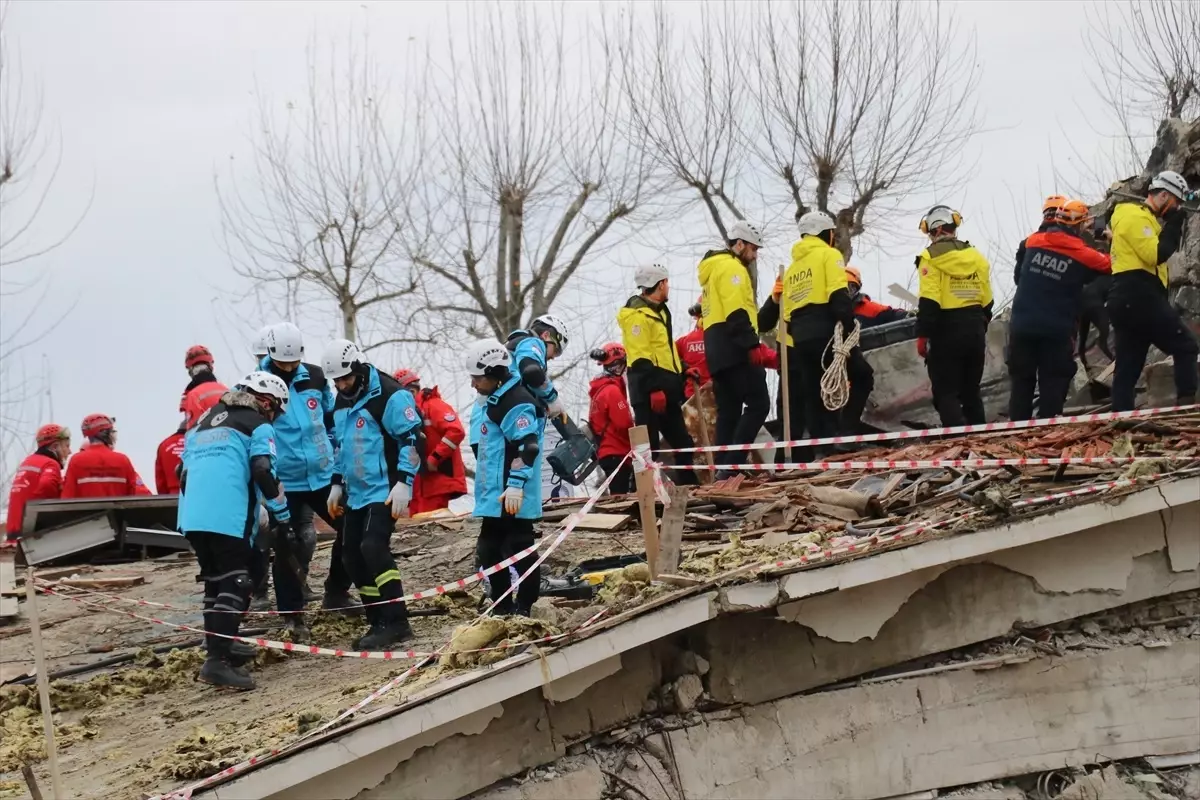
219, 418
358, 423
271, 444
735, 279
1147, 231
636, 330
410, 414
312, 402
449, 418
522, 422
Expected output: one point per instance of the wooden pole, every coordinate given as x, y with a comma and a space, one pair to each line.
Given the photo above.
705, 439
671, 535
643, 480
43, 683
781, 339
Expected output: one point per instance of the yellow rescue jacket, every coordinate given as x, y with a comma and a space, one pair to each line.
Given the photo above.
816, 294
730, 315
953, 277
649, 348
1135, 232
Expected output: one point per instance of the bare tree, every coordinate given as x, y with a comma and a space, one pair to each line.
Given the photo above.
321, 221
860, 104
529, 179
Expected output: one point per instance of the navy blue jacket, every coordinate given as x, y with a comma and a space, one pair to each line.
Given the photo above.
1055, 266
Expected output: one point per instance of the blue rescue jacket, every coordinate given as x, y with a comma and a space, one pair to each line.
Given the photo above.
529, 350
228, 462
511, 418
302, 438
476, 420
377, 440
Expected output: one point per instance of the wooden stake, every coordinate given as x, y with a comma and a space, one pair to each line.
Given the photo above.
31, 782
781, 339
671, 535
643, 479
43, 682
705, 439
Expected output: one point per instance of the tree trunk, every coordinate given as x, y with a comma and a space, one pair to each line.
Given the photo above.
349, 318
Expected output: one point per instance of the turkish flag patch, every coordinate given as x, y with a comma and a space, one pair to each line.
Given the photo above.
358, 423
312, 402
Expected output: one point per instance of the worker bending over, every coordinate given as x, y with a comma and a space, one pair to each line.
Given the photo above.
39, 476
867, 311
1045, 314
690, 348
1144, 236
442, 477
655, 374
609, 416
953, 313
228, 468
508, 493
98, 470
377, 432
737, 359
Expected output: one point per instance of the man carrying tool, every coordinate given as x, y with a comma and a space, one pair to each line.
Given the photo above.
98, 470
655, 377
1057, 264
443, 478
39, 476
609, 416
508, 494
203, 390
737, 359
1144, 236
690, 347
378, 433
228, 468
867, 311
815, 298
953, 313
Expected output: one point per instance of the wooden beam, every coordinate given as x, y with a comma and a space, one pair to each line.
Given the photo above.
643, 479
670, 537
43, 684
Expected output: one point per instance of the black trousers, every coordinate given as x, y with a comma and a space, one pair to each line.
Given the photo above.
368, 558
743, 404
225, 571
623, 481
500, 538
795, 414
809, 363
1139, 321
862, 383
338, 581
955, 367
669, 424
1041, 362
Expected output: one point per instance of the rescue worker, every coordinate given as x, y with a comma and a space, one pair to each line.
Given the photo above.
203, 390
609, 416
737, 359
39, 476
167, 461
953, 313
1144, 236
98, 470
867, 311
508, 494
690, 347
815, 298
655, 375
304, 462
377, 430
476, 421
443, 477
258, 345
1050, 208
532, 350
1046, 310
228, 469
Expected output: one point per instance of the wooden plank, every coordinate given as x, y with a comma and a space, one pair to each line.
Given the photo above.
104, 583
643, 479
678, 580
43, 685
672, 529
603, 522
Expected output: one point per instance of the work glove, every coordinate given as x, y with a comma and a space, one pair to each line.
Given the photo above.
922, 347
398, 499
512, 499
658, 402
555, 408
777, 289
334, 503
765, 357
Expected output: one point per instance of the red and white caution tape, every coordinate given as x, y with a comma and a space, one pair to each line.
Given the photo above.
961, 463
990, 427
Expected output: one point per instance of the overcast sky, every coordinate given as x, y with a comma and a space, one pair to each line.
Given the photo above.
152, 98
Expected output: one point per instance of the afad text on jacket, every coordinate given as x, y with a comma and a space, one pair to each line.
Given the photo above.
1050, 279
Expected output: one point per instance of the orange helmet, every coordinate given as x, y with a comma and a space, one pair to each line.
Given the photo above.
1052, 204
406, 377
853, 276
1073, 212
95, 425
49, 434
197, 354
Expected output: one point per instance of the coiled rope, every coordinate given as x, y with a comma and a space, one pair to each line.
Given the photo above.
835, 381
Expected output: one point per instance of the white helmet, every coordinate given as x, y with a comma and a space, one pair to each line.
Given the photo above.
552, 323
285, 342
486, 358
940, 216
814, 223
746, 231
258, 346
1171, 182
647, 277
339, 358
265, 383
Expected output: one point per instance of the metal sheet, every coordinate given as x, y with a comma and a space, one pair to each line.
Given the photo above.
76, 537
153, 537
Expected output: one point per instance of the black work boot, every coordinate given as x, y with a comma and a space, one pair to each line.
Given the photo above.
374, 615
386, 634
241, 654
307, 593
218, 671
1186, 400
299, 631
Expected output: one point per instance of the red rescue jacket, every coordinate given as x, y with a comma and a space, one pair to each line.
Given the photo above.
444, 433
869, 313
166, 464
99, 471
690, 347
38, 478
201, 394
609, 416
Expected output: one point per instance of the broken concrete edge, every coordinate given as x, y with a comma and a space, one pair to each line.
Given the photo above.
440, 710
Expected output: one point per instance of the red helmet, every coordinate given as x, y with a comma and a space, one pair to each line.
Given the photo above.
197, 354
406, 377
608, 354
49, 434
96, 424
